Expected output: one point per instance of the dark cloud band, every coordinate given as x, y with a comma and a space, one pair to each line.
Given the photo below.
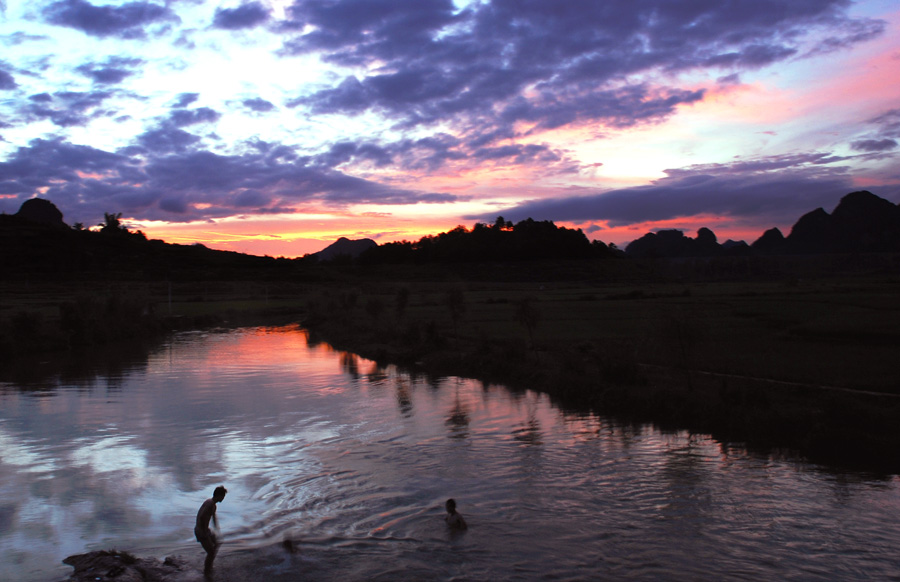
127, 21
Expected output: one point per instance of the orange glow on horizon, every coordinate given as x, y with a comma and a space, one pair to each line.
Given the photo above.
297, 236
297, 244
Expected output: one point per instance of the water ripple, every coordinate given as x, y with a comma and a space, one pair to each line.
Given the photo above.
349, 466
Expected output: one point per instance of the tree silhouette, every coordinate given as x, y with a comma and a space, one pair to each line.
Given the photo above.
501, 224
112, 224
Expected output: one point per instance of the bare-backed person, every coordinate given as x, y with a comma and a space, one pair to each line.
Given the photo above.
204, 535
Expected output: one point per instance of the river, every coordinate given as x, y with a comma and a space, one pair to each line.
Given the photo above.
353, 464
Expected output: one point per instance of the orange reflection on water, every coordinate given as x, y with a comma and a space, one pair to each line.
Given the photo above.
289, 350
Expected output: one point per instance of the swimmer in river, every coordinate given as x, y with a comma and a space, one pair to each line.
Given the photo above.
202, 532
453, 519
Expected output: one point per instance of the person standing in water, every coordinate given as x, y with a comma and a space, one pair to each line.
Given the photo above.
453, 519
202, 532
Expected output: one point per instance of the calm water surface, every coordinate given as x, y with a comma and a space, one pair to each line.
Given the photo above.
353, 464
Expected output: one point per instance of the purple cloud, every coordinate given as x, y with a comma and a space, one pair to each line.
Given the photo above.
486, 76
247, 15
777, 189
167, 176
167, 140
874, 145
126, 21
344, 152
885, 135
342, 24
7, 82
68, 108
53, 161
888, 123
252, 199
184, 117
114, 71
547, 63
258, 105
186, 99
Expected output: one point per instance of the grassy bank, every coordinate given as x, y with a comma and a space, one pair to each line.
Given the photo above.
64, 317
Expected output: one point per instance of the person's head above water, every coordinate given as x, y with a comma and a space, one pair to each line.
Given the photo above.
453, 519
219, 493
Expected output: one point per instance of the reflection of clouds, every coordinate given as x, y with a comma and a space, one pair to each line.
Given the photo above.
27, 457
91, 495
8, 513
309, 453
109, 454
80, 470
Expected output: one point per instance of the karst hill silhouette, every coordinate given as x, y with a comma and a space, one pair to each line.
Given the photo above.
37, 242
861, 223
346, 249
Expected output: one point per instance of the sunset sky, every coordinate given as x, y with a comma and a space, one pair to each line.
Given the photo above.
276, 126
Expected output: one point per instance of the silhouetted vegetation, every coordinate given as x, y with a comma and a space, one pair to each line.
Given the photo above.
502, 241
37, 250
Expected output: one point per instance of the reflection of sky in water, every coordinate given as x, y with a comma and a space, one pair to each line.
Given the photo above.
28, 457
89, 466
328, 448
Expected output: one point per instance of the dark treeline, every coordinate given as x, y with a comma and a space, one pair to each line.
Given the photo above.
37, 244
501, 241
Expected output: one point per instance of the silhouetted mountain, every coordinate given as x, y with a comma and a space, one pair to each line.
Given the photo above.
735, 247
861, 222
770, 243
673, 243
41, 211
812, 232
865, 222
344, 247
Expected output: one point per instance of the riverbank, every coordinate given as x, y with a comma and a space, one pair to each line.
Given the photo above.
109, 565
792, 365
238, 566
772, 363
